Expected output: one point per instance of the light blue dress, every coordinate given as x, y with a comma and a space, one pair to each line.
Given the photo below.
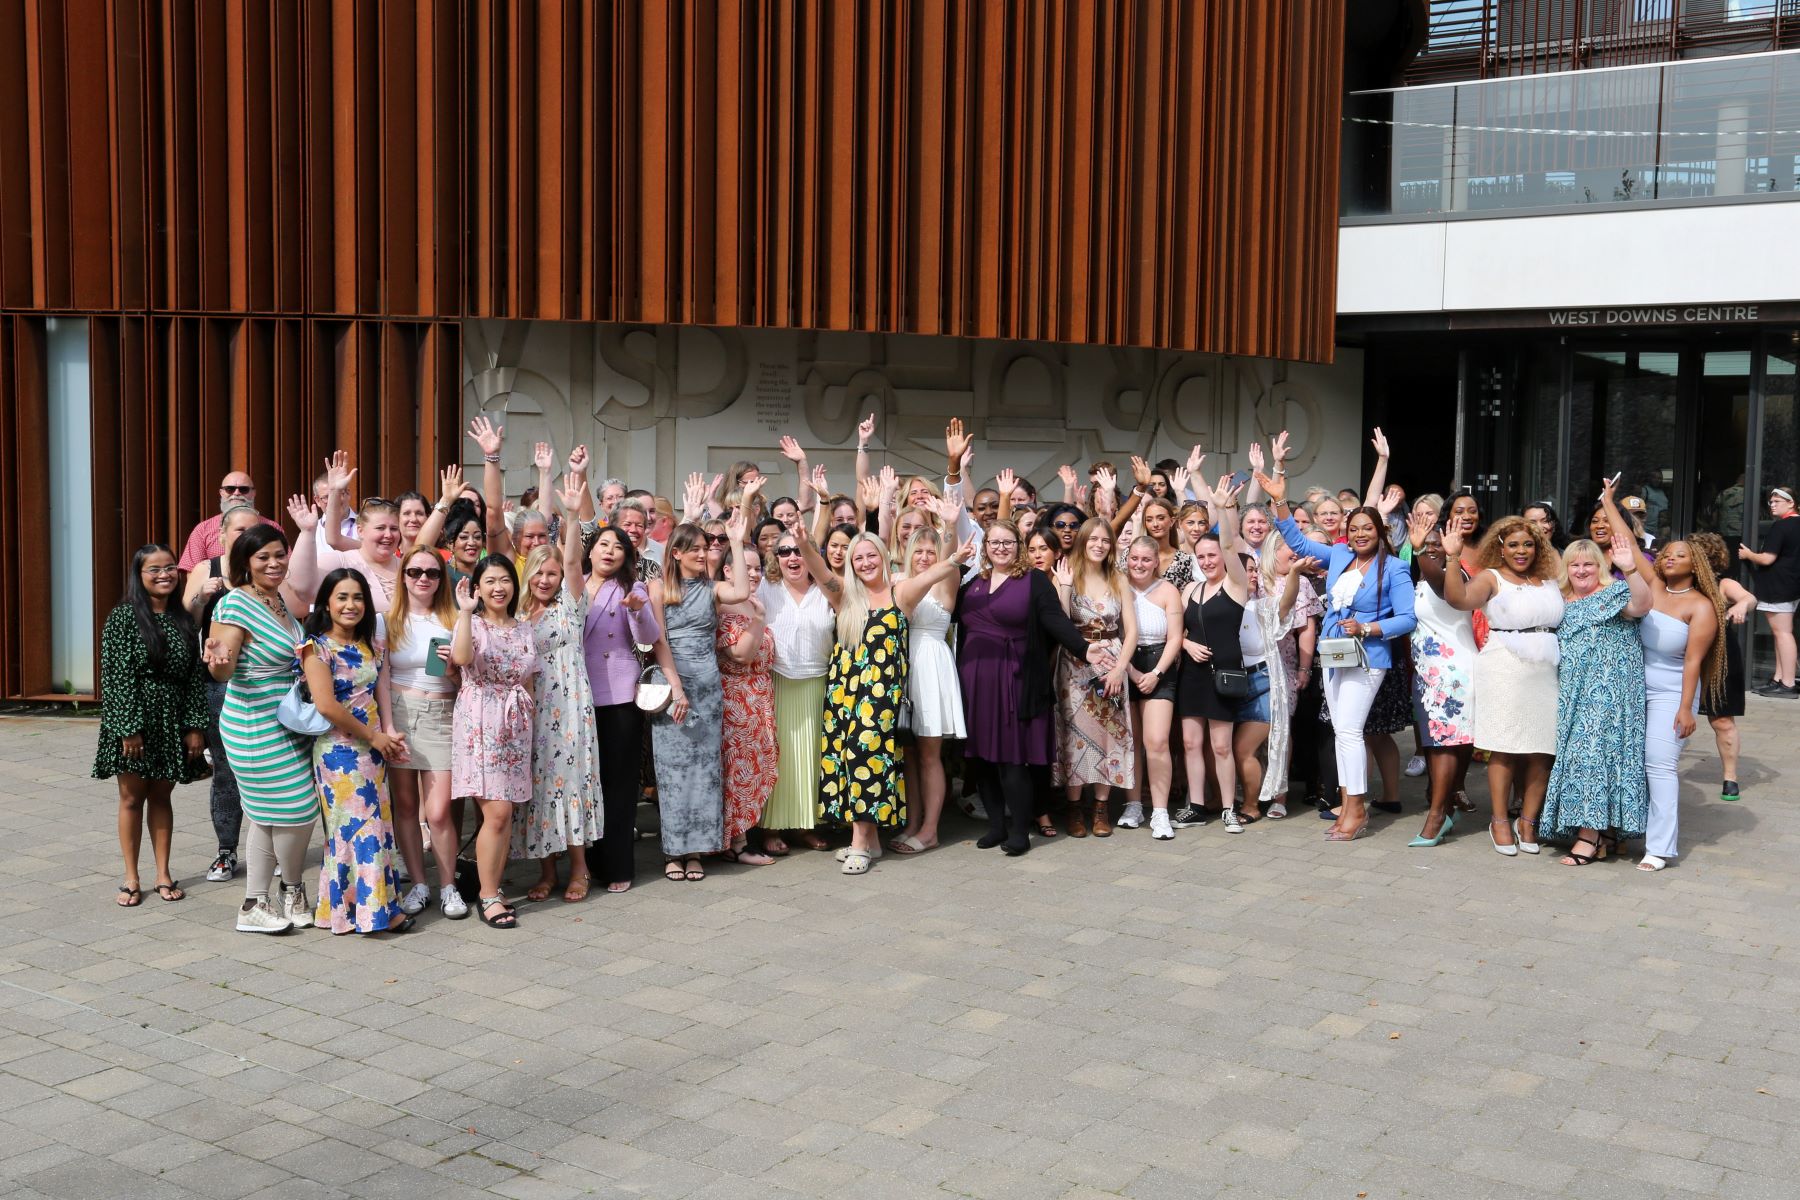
690, 786
1598, 780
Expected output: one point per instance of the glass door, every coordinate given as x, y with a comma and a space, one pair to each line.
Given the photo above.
1625, 417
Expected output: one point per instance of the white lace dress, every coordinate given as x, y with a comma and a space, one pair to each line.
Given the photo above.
931, 683
1515, 673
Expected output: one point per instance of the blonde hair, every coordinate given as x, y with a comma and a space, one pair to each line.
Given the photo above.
534, 562
682, 538
1019, 565
895, 547
853, 605
1085, 568
443, 604
919, 537
1582, 549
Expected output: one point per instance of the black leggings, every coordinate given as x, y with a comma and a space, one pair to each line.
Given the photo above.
612, 859
227, 808
1009, 797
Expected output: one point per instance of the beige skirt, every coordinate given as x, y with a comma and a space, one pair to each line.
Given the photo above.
426, 726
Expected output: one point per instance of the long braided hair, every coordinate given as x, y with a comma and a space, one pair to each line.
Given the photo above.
1712, 670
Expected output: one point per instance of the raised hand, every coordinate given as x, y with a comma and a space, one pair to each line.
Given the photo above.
339, 472
947, 511
790, 450
967, 460
865, 431
1274, 486
1006, 481
1390, 500
1453, 542
1140, 471
487, 435
1255, 455
1066, 473
1380, 442
301, 510
820, 483
1178, 482
1105, 479
868, 490
569, 495
1418, 528
1624, 551
450, 481
466, 600
693, 495
888, 479
956, 442
737, 523
1607, 487
1062, 574
1225, 493
1194, 461
543, 457
1278, 450
750, 489
578, 461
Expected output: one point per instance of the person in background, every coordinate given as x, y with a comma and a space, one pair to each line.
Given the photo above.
153, 713
1543, 514
415, 510
1722, 714
342, 662
620, 617
612, 491
1778, 587
421, 708
631, 519
207, 538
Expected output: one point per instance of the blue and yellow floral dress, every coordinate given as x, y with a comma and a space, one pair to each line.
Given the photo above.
860, 769
359, 885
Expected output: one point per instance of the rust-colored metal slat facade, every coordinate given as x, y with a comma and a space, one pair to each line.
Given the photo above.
273, 214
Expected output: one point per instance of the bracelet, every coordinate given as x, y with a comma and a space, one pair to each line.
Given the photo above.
490, 458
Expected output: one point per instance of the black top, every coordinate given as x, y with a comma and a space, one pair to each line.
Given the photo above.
1214, 624
1779, 582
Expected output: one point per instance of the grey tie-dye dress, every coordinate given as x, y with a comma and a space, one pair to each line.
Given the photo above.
690, 791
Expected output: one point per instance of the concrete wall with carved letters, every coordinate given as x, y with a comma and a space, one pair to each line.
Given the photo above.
655, 402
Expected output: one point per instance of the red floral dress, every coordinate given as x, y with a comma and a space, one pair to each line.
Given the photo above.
748, 747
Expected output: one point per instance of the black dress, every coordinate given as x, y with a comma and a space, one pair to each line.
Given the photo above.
1214, 624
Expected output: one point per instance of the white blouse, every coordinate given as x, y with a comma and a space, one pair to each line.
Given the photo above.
805, 630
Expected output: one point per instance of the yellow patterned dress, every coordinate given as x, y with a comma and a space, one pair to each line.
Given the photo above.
860, 770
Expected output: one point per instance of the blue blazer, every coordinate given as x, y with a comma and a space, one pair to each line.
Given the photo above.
1388, 600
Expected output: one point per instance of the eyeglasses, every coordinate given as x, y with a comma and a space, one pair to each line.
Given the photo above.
1065, 524
1001, 544
424, 573
786, 551
161, 572
238, 489
718, 539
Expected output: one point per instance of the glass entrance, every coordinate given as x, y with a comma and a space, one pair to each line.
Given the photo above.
1624, 417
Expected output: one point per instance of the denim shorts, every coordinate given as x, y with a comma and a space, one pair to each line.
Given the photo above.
1255, 706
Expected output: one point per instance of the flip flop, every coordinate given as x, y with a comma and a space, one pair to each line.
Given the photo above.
132, 897
910, 844
174, 885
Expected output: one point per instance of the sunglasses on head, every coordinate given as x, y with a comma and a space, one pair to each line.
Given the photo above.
424, 572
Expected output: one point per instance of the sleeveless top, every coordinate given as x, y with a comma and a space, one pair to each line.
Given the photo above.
1152, 620
1214, 622
1523, 617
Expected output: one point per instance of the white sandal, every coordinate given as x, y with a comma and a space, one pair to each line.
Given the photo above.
1651, 862
856, 862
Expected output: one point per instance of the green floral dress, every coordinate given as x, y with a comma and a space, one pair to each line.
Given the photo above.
138, 699
860, 769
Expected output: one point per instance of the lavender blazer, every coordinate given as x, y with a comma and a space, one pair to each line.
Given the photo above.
607, 640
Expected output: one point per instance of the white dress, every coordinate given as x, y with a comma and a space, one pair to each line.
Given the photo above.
1515, 673
931, 684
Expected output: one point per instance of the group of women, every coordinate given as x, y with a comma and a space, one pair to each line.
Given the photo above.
765, 671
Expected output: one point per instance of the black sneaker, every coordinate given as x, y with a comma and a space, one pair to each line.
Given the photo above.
1783, 691
1728, 790
1190, 816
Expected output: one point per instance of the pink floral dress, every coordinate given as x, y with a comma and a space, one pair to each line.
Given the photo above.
748, 747
490, 751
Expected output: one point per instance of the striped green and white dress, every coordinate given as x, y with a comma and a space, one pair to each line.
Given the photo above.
273, 766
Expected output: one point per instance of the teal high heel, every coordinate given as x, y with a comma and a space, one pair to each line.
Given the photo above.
1443, 832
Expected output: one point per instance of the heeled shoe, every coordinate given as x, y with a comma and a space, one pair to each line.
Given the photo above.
1340, 836
1509, 851
1442, 833
1524, 846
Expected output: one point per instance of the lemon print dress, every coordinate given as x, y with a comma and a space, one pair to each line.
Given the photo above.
860, 768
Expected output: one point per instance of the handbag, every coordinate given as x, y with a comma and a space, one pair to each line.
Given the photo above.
652, 697
298, 713
1342, 652
1229, 683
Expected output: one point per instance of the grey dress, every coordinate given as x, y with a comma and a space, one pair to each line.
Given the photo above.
689, 775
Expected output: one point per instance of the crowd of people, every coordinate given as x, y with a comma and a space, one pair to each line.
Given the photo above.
448, 685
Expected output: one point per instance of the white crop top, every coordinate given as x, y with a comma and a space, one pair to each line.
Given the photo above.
406, 661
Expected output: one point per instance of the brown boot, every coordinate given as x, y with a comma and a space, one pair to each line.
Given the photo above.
1102, 818
1078, 820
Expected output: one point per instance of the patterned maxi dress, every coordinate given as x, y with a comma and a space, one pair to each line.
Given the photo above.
491, 738
1598, 779
860, 768
689, 771
565, 763
747, 742
359, 881
1093, 730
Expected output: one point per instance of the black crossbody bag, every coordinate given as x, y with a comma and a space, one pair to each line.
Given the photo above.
1230, 683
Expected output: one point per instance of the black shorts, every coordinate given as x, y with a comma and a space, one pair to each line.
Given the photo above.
1146, 657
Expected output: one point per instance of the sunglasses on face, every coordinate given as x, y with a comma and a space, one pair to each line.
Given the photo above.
424, 573
237, 489
786, 551
718, 539
1065, 524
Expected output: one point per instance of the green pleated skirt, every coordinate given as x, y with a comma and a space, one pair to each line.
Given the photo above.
799, 712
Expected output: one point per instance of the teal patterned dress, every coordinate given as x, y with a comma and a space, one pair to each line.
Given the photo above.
1598, 781
861, 776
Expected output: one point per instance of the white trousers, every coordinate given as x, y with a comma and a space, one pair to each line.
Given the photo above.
1349, 693
1662, 751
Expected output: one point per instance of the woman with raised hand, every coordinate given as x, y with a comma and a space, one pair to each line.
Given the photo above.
933, 693
1264, 716
564, 815
252, 643
1444, 652
1515, 588
750, 753
1597, 793
1155, 664
1011, 626
799, 605
1293, 731
1369, 601
422, 709
1212, 612
1777, 566
1723, 712
153, 713
377, 542
1093, 718
689, 770
1684, 658
343, 663
620, 617
491, 759
205, 584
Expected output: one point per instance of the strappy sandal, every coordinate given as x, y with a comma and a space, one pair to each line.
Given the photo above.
910, 844
577, 890
1046, 828
774, 847
174, 885
672, 871
505, 919
540, 891
694, 873
132, 897
1575, 858
747, 857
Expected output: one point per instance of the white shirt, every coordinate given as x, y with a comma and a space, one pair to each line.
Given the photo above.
805, 630
406, 661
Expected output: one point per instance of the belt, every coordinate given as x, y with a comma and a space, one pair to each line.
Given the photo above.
1534, 629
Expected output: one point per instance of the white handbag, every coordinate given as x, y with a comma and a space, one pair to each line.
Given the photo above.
1342, 652
298, 713
652, 697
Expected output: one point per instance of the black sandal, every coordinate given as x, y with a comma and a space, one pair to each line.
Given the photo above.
174, 885
673, 871
507, 918
1603, 848
135, 897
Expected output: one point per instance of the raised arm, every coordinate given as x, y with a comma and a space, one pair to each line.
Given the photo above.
1140, 473
338, 476
491, 437
543, 457
956, 450
1624, 557
1616, 520
578, 467
1378, 480
796, 454
865, 430
909, 591
1224, 502
888, 507
450, 486
303, 574
821, 572
1463, 596
737, 587
1004, 483
1254, 454
569, 498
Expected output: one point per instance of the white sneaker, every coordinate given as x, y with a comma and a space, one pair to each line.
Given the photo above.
260, 918
294, 906
1415, 766
1132, 817
452, 903
1160, 828
415, 899
1231, 822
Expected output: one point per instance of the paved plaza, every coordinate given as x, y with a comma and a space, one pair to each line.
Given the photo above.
1255, 1016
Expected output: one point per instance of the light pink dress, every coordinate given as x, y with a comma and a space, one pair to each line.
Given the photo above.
490, 750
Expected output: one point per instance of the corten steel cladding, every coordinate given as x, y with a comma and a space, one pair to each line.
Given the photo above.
274, 214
